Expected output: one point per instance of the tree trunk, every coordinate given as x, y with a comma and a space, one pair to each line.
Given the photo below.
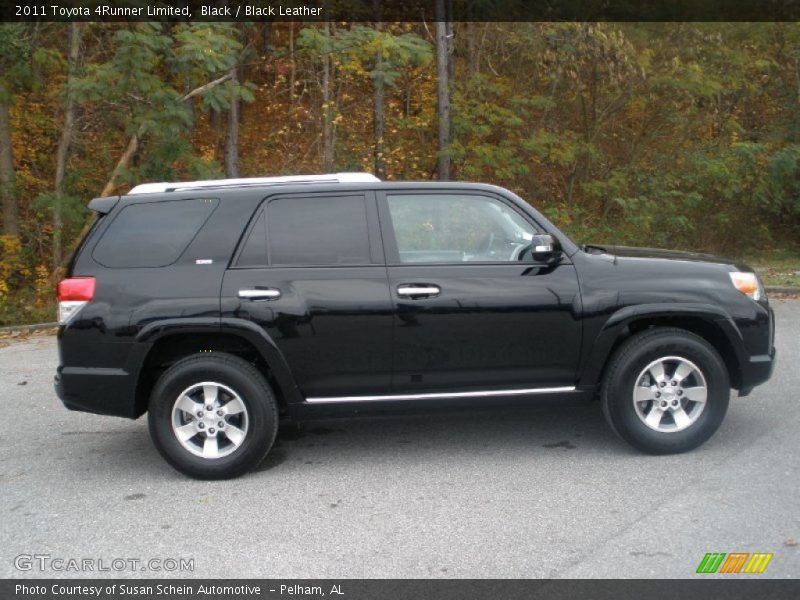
327, 108
292, 66
266, 38
451, 39
443, 91
472, 48
232, 137
7, 175
378, 117
67, 132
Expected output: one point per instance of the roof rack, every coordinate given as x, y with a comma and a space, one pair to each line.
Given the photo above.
179, 186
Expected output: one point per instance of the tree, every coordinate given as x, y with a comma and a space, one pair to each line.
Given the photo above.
380, 55
443, 89
139, 86
7, 175
378, 106
327, 103
318, 46
15, 54
65, 141
232, 135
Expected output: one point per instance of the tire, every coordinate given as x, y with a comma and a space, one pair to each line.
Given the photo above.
655, 424
242, 424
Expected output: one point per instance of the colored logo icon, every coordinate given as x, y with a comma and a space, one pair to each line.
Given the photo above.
734, 562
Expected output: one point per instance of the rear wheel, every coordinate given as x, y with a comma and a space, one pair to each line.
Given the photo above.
665, 391
213, 416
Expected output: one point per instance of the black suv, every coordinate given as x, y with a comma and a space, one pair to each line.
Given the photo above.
223, 307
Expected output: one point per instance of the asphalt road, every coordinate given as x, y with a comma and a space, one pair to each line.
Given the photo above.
536, 493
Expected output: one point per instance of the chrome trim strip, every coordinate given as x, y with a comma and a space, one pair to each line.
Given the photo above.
440, 395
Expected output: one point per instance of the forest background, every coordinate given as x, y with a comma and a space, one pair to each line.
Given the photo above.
677, 135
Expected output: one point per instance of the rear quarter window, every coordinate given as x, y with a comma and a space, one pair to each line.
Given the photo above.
152, 234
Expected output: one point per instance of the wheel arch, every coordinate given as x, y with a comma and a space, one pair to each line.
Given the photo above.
706, 321
169, 341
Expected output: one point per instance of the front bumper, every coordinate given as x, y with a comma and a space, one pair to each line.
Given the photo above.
756, 371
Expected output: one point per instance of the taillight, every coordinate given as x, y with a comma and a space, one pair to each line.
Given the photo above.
73, 294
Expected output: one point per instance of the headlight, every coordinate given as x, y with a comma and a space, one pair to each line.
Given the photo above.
748, 284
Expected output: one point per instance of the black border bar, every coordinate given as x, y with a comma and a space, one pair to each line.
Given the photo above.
399, 10
733, 588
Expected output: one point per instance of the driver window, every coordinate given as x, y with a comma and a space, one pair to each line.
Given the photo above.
450, 228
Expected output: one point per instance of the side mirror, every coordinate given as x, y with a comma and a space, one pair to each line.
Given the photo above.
543, 248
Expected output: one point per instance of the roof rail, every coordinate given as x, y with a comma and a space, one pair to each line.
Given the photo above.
178, 186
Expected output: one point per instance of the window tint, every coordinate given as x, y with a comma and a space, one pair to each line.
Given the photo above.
434, 228
318, 231
152, 234
254, 252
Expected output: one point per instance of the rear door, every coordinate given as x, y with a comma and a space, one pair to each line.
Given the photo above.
310, 271
472, 310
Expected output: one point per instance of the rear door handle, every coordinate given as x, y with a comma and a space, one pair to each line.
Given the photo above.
418, 290
265, 294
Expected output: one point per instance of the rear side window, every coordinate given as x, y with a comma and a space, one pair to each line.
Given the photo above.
152, 234
310, 231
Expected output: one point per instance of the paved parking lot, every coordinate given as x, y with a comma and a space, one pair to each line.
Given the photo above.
536, 493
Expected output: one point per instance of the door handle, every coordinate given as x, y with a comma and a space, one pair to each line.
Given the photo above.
266, 294
418, 290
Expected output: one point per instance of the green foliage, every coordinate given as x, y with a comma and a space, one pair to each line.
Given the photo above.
683, 135
143, 84
356, 50
359, 47
649, 134
15, 55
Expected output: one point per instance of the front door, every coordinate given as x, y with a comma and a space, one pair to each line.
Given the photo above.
472, 311
311, 273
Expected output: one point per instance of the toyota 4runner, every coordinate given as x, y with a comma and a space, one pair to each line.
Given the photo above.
222, 307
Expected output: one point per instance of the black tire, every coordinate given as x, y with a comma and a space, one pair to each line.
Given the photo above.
253, 390
625, 366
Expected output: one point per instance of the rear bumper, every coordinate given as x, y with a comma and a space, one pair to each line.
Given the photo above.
99, 391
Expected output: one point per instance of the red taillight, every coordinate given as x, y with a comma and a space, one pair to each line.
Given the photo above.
76, 288
73, 294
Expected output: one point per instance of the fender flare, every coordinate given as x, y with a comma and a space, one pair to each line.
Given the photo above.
598, 352
247, 330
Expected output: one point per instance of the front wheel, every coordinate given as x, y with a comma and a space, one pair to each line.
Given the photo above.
213, 416
665, 391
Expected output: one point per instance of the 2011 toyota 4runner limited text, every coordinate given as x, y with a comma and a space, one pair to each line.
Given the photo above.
221, 307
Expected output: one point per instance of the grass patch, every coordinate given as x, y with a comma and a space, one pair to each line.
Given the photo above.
26, 310
777, 269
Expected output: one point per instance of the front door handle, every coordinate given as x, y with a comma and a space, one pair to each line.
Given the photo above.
265, 294
418, 290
